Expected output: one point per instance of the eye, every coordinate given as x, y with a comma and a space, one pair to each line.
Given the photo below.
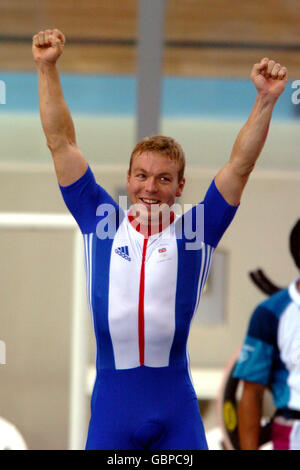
165, 179
140, 175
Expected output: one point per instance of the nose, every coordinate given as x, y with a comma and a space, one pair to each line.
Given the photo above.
150, 185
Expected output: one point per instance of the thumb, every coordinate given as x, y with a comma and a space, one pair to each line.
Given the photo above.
56, 44
57, 38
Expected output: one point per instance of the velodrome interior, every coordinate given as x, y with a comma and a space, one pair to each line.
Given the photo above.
210, 47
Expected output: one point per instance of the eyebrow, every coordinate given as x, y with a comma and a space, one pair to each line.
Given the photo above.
164, 173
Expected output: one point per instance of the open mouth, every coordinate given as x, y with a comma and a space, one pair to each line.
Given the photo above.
149, 201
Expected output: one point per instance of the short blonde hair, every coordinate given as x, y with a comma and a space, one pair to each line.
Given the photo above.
166, 146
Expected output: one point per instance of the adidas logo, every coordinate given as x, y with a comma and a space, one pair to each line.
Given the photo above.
124, 252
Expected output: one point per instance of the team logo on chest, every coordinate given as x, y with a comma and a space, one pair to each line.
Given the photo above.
163, 254
124, 252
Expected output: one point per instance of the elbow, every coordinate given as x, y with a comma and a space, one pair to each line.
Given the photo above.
247, 170
242, 169
55, 143
245, 173
244, 166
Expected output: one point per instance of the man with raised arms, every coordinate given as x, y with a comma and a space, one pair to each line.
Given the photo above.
143, 286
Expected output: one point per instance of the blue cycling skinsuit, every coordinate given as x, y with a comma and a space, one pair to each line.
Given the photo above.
143, 293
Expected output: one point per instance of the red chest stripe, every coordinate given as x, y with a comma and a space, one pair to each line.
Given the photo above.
141, 306
141, 315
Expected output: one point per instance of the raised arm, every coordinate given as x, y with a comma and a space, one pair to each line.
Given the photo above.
56, 119
269, 79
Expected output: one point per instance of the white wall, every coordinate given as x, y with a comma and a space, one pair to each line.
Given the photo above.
109, 140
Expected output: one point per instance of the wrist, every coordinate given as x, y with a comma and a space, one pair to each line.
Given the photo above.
266, 99
44, 65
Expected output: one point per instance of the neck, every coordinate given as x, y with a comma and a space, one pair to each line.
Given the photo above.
298, 285
151, 227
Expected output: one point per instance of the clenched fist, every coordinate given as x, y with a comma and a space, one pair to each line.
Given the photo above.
269, 77
47, 46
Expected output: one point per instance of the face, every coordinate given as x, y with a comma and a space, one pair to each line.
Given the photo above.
152, 182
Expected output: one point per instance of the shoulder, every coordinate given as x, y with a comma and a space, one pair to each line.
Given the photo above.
265, 318
276, 303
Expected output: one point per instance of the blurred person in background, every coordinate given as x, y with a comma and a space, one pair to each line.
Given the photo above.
270, 357
144, 287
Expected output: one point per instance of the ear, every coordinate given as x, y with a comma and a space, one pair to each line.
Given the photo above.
128, 177
180, 187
